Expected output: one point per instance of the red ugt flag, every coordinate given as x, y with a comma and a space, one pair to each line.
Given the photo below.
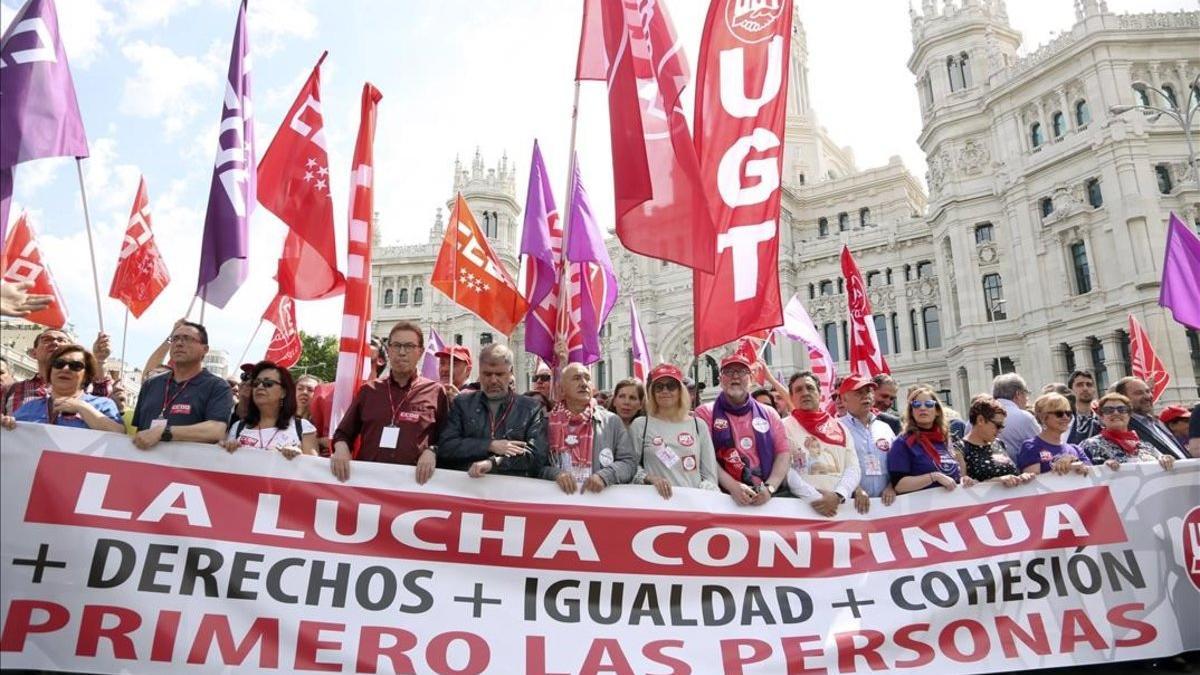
285, 347
23, 262
865, 356
141, 273
293, 183
469, 272
1146, 364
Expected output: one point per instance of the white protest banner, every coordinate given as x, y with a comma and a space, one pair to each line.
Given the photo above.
187, 559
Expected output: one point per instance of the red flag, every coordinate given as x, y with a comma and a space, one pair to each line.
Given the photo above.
741, 111
660, 204
22, 261
1146, 364
354, 351
865, 356
469, 272
293, 183
750, 348
285, 347
592, 62
141, 273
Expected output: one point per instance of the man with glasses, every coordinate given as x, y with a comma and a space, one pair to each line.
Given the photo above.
396, 418
872, 437
1142, 420
884, 401
542, 381
751, 446
1084, 423
44, 345
187, 403
1011, 392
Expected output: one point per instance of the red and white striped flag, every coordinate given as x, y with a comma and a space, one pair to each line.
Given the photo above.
641, 351
1146, 364
354, 351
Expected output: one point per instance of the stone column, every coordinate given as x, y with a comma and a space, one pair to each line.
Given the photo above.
1113, 361
1060, 362
1083, 355
1066, 111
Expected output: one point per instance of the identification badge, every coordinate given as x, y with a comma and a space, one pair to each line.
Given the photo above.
667, 456
389, 437
158, 422
872, 466
760, 425
686, 440
746, 443
407, 416
689, 463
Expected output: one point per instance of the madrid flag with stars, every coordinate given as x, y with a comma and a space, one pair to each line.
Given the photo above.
469, 273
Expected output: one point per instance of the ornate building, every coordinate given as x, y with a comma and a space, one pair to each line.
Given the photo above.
1042, 231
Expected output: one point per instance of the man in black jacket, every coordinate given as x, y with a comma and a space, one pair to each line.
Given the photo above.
493, 430
1142, 420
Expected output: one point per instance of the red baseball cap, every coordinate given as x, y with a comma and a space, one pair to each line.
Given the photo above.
1174, 412
853, 383
735, 359
460, 352
666, 370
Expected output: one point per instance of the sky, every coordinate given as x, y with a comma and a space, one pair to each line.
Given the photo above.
455, 75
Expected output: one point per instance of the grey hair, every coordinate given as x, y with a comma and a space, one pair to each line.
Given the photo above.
1008, 385
496, 352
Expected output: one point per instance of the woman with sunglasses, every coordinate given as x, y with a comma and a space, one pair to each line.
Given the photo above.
675, 447
1116, 444
69, 371
1048, 451
628, 400
985, 458
271, 422
920, 457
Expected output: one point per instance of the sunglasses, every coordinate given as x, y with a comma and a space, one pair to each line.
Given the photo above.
1115, 410
541, 378
998, 425
1060, 414
924, 404
264, 383
667, 385
74, 366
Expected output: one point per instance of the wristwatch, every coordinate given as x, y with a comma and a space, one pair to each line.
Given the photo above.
841, 499
770, 488
166, 434
495, 460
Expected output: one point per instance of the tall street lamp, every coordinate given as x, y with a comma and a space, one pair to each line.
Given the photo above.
1171, 109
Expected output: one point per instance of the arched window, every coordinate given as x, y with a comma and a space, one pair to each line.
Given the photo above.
823, 227
827, 287
864, 216
1162, 173
984, 232
1058, 122
1170, 92
1095, 197
418, 296
1047, 206
954, 73
843, 221
964, 65
1083, 115
1079, 262
895, 334
387, 297
1142, 97
881, 332
831, 340
1035, 135
993, 297
933, 328
402, 298
714, 373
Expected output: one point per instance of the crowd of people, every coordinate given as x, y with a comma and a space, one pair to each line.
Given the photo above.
753, 442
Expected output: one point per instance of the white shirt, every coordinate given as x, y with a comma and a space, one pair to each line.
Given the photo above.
270, 439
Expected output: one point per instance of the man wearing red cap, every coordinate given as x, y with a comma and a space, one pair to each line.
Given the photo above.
1177, 418
824, 467
872, 436
462, 368
748, 437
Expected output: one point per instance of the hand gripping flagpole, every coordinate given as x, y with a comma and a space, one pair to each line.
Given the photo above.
87, 221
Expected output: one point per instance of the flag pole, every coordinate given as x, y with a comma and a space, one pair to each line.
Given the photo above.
564, 276
191, 305
87, 221
124, 334
458, 200
242, 358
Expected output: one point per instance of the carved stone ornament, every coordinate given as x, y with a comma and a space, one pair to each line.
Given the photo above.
974, 156
987, 253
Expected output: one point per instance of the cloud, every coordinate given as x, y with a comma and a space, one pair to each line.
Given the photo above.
141, 14
167, 86
271, 22
82, 27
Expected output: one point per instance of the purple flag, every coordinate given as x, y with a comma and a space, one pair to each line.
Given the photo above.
641, 351
541, 243
231, 198
593, 281
1180, 291
39, 114
429, 362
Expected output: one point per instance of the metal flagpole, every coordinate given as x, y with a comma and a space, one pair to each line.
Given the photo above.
191, 305
242, 358
87, 221
562, 329
124, 334
458, 202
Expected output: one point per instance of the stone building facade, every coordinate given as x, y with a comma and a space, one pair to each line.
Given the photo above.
1042, 230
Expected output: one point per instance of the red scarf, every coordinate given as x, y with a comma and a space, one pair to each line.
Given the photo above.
564, 423
820, 424
927, 439
1126, 440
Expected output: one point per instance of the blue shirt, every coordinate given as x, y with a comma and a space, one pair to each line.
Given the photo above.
38, 410
872, 443
905, 461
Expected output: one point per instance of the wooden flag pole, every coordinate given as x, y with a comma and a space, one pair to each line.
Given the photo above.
124, 334
242, 358
87, 221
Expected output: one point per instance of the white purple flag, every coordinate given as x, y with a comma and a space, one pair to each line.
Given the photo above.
231, 196
641, 352
541, 244
429, 362
593, 283
798, 325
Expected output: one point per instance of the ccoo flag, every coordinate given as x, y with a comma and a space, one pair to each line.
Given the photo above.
22, 261
231, 193
141, 273
285, 348
592, 281
1181, 274
866, 358
1144, 362
541, 244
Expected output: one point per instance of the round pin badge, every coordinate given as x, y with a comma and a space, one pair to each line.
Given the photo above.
746, 443
720, 424
760, 425
606, 456
657, 440
686, 439
689, 463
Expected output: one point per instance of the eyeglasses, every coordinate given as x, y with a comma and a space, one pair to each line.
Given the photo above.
404, 346
664, 385
1115, 410
264, 383
923, 404
74, 366
998, 425
182, 339
735, 373
1060, 414
544, 377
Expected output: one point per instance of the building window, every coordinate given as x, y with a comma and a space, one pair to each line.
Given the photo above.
864, 217
993, 297
925, 270
895, 334
1035, 135
846, 337
1003, 365
402, 298
984, 232
388, 296
1170, 93
881, 333
1095, 197
916, 329
823, 227
955, 73
1047, 206
933, 328
964, 65
458, 338
1101, 369
418, 296
1163, 174
1142, 98
812, 291
802, 179
872, 279
485, 339
843, 221
1083, 115
908, 272
888, 273
1059, 124
602, 375
827, 287
831, 340
1079, 261
840, 286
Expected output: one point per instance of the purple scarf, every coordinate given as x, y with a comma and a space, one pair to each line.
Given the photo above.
723, 437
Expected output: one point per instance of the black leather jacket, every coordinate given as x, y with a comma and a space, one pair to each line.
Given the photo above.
468, 433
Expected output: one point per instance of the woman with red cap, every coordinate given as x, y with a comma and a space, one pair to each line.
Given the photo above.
676, 448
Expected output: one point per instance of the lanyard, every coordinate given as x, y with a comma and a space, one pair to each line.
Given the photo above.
397, 408
168, 399
267, 445
498, 423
